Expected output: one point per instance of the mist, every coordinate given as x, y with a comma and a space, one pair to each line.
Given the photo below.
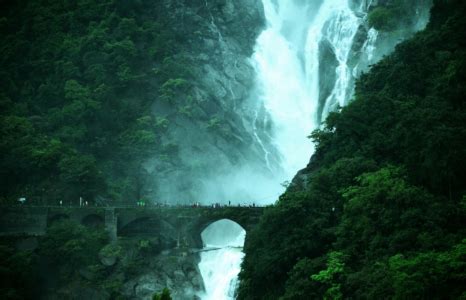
303, 66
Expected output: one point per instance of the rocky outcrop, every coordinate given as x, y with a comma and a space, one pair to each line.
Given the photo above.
368, 45
176, 271
209, 127
134, 268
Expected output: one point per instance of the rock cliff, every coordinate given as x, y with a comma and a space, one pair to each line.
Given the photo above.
209, 126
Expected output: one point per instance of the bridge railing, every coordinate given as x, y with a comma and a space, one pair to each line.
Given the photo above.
129, 206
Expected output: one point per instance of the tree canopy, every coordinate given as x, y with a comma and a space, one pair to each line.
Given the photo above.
78, 81
379, 211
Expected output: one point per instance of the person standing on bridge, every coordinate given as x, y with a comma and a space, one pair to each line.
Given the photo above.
22, 200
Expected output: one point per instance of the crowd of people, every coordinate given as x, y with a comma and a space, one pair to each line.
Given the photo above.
140, 203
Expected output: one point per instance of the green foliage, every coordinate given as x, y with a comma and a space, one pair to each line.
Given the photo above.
19, 272
133, 267
382, 200
66, 248
81, 173
393, 15
164, 295
111, 250
384, 214
300, 225
78, 84
171, 87
382, 18
214, 123
113, 287
143, 246
69, 245
335, 267
298, 284
430, 274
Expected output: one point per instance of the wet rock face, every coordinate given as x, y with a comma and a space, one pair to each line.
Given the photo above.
174, 270
368, 45
209, 126
135, 269
355, 4
327, 74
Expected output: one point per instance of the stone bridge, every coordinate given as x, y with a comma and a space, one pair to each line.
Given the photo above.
184, 224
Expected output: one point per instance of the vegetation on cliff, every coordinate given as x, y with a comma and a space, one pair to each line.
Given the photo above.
391, 15
78, 81
379, 211
102, 99
66, 250
76, 261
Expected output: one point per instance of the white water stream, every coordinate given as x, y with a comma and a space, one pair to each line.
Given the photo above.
221, 259
288, 64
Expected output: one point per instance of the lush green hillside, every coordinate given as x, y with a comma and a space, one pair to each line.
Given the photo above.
77, 81
380, 210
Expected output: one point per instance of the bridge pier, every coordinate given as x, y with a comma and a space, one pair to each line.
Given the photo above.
111, 223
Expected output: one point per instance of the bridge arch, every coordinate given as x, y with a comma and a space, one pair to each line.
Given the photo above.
202, 226
221, 255
56, 217
198, 227
93, 220
222, 231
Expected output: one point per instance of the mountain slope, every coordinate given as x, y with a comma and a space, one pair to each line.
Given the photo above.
111, 99
378, 212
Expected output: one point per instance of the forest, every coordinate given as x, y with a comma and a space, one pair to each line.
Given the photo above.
379, 211
78, 82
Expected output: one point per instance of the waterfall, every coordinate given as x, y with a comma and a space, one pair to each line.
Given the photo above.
341, 27
283, 87
289, 64
221, 259
306, 61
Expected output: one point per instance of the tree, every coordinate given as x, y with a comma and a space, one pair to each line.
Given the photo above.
164, 295
382, 18
329, 276
429, 274
70, 245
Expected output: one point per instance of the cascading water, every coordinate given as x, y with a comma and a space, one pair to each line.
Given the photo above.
221, 259
306, 61
289, 64
284, 90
